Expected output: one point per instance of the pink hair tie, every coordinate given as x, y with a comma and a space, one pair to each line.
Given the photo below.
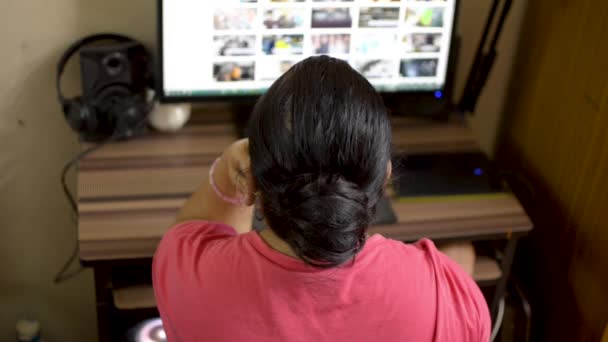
218, 192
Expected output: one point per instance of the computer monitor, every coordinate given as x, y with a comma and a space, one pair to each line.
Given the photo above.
237, 48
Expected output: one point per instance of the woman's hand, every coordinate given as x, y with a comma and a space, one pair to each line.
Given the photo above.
232, 177
237, 166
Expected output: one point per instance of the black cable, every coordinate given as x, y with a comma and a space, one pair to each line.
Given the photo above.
517, 177
501, 21
71, 163
483, 61
62, 275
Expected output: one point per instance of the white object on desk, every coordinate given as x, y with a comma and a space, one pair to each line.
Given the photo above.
28, 330
169, 117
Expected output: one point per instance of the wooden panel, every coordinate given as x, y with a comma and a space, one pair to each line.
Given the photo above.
134, 297
133, 228
142, 182
556, 135
166, 145
486, 269
161, 165
129, 192
447, 138
461, 208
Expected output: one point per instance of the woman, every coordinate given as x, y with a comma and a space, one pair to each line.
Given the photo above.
317, 160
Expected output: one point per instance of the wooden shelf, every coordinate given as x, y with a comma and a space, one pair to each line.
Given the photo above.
134, 297
487, 271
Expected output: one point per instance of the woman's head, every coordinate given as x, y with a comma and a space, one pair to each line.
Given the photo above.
319, 142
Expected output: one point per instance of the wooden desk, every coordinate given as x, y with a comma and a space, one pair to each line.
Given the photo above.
129, 193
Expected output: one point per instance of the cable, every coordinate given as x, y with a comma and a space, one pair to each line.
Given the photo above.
484, 61
513, 176
62, 275
499, 317
527, 310
71, 163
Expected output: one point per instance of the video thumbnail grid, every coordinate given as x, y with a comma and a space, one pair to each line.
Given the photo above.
260, 40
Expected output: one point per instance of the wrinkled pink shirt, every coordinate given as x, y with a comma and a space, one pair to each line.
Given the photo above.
212, 284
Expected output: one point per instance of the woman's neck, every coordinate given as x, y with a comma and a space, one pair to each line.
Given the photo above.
277, 243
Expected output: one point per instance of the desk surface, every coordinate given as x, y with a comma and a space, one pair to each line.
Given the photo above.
129, 192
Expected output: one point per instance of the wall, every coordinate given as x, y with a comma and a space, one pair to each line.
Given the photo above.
36, 230
488, 114
556, 136
37, 233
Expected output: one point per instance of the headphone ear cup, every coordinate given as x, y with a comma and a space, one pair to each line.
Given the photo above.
71, 109
129, 116
89, 114
81, 117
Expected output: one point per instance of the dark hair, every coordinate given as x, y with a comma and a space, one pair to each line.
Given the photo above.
320, 142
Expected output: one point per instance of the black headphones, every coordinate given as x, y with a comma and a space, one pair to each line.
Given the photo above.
115, 111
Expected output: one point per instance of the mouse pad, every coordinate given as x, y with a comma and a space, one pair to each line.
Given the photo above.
384, 215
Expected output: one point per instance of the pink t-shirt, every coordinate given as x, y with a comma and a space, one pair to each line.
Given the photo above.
214, 285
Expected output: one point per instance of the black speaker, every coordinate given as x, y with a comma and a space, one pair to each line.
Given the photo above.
122, 64
115, 80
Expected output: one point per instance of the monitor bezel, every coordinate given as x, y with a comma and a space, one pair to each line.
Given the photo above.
164, 98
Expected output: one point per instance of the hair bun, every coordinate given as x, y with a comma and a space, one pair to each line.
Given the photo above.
327, 216
320, 146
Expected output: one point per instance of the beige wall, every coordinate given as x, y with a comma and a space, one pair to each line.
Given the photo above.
37, 233
488, 113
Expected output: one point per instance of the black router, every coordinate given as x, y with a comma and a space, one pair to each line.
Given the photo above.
444, 175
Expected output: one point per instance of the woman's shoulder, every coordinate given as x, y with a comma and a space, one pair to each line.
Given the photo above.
421, 251
197, 230
461, 308
421, 258
192, 237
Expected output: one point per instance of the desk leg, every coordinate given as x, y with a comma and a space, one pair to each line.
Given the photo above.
103, 299
501, 287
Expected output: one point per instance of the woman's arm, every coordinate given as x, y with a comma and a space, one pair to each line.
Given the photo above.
463, 253
232, 177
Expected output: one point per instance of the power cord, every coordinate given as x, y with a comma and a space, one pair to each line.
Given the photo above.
499, 318
517, 177
63, 273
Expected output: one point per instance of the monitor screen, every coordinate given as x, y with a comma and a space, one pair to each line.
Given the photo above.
239, 47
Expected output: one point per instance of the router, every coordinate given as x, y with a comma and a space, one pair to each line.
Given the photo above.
443, 175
